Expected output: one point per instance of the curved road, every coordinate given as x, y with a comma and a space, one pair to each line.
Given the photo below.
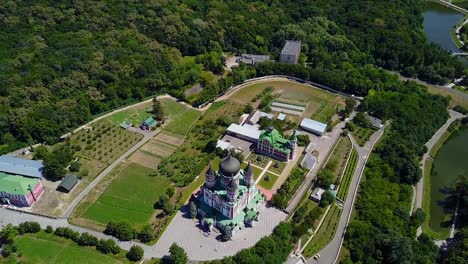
329, 254
419, 189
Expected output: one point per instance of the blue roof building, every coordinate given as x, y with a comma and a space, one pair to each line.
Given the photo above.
313, 126
19, 166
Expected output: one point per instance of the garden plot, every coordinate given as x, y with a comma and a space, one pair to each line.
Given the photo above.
151, 154
288, 108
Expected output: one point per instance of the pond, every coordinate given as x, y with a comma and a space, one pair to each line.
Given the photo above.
438, 21
449, 163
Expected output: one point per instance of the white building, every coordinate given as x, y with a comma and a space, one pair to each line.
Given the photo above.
246, 132
317, 194
313, 126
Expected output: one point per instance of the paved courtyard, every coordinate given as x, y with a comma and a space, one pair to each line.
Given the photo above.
202, 246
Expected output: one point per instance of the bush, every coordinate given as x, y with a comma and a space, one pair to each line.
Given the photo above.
29, 227
107, 246
164, 204
75, 166
121, 230
146, 234
49, 229
170, 191
87, 240
135, 253
8, 249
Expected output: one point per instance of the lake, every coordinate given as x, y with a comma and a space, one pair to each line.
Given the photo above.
449, 163
438, 21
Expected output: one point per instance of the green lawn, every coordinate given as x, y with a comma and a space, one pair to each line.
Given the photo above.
129, 197
325, 233
182, 123
348, 175
47, 248
135, 114
270, 183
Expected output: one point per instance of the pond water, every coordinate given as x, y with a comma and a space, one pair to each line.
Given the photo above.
449, 163
438, 21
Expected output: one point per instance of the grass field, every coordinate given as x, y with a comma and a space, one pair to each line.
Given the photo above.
270, 183
320, 104
348, 175
180, 125
325, 233
138, 113
47, 248
134, 115
129, 197
456, 98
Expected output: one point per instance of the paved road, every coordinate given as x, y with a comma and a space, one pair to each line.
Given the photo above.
329, 254
324, 146
419, 189
147, 136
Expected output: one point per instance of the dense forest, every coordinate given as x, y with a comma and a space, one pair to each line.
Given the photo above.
63, 62
383, 230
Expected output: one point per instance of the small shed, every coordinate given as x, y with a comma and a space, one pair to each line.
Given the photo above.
67, 183
125, 124
281, 116
317, 194
148, 123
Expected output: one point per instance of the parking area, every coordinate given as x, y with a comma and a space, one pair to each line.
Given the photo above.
244, 145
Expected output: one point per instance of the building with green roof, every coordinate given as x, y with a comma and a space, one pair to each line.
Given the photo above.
18, 190
229, 197
272, 143
148, 123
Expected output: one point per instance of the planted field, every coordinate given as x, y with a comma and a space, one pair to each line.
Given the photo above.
130, 197
103, 143
325, 233
362, 134
348, 175
340, 156
47, 248
325, 113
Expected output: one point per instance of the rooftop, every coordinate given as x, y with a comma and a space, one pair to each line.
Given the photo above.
245, 130
275, 139
150, 121
308, 161
254, 58
256, 115
313, 125
374, 121
19, 166
68, 182
281, 116
16, 184
291, 47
